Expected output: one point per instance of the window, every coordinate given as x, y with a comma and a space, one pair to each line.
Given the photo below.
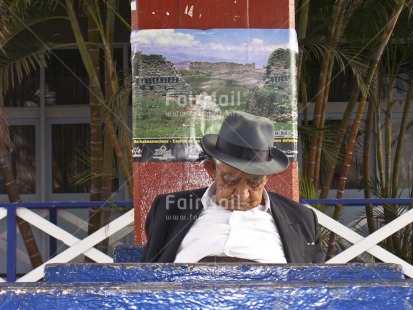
71, 159
23, 159
66, 79
70, 147
340, 88
25, 94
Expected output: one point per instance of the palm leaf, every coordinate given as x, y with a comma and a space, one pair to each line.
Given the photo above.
21, 50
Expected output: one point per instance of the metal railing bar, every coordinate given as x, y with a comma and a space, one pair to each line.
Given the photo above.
11, 209
53, 240
83, 204
355, 238
11, 244
66, 204
357, 201
82, 246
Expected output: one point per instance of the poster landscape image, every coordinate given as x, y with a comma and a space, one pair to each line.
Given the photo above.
186, 81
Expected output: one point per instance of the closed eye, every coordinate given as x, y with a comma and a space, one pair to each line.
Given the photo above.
230, 179
255, 182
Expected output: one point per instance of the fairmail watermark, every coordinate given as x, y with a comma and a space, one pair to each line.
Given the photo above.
192, 202
186, 217
207, 101
179, 207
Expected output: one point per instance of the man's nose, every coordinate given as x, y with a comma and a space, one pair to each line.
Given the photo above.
242, 191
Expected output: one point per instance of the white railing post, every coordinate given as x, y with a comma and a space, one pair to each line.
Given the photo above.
86, 246
60, 234
356, 239
82, 246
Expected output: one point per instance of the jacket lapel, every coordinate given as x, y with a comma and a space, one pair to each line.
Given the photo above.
182, 222
289, 231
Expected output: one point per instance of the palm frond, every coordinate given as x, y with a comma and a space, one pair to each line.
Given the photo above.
19, 58
17, 18
21, 49
329, 134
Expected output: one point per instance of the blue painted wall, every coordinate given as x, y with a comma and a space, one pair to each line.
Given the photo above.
213, 286
252, 295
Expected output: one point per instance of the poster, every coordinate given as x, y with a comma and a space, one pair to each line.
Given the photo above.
186, 81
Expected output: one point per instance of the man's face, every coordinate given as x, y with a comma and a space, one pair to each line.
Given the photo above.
237, 190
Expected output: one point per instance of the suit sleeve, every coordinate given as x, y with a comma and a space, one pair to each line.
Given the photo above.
319, 255
151, 216
299, 230
150, 229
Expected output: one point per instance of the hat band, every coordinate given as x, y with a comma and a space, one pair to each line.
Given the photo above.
243, 152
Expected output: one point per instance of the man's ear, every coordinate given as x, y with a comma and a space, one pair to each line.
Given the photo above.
210, 166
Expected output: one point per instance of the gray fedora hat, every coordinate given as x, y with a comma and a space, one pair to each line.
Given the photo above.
246, 142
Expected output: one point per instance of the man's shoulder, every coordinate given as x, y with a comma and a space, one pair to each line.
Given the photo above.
282, 198
178, 202
287, 204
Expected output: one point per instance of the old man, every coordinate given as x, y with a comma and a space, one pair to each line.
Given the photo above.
235, 219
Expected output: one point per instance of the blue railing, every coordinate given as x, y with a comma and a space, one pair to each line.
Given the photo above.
358, 201
52, 206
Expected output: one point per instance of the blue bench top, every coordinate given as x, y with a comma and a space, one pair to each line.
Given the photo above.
210, 272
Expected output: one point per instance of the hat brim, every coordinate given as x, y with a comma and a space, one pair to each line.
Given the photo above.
278, 163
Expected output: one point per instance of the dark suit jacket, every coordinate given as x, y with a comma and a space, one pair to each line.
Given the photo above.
172, 215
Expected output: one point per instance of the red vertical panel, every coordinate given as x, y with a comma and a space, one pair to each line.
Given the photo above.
206, 14
156, 14
152, 178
